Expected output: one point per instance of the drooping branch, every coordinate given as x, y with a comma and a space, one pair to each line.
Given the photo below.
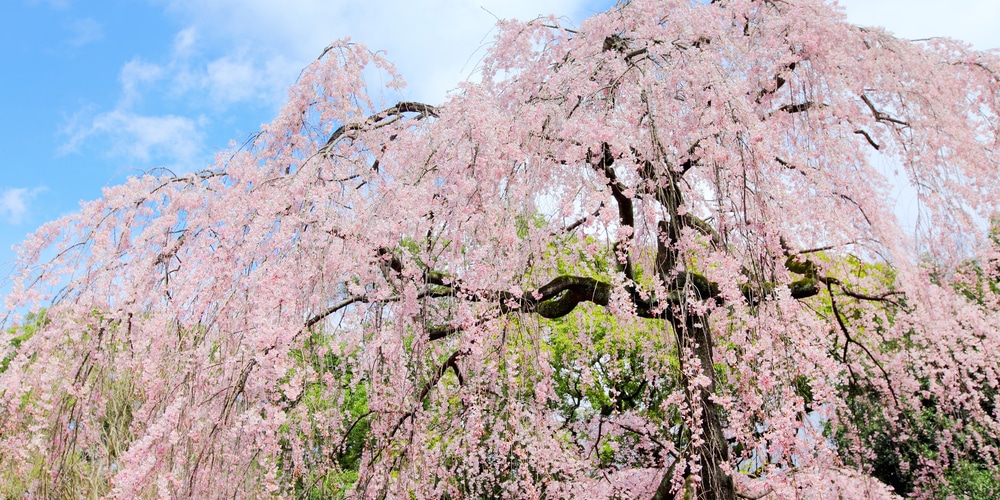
432, 382
882, 297
579, 222
626, 210
313, 320
779, 81
882, 116
869, 139
450, 363
380, 119
797, 107
848, 340
332, 309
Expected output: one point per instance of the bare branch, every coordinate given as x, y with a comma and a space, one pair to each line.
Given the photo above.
869, 138
797, 108
373, 121
881, 116
849, 340
332, 309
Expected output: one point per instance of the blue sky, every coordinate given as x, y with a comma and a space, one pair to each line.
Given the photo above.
95, 91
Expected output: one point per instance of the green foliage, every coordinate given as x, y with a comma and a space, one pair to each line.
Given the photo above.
976, 283
318, 356
898, 445
601, 369
523, 224
19, 334
971, 481
74, 469
895, 455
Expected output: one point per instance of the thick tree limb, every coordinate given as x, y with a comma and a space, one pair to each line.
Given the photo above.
563, 294
452, 363
626, 211
869, 138
555, 299
880, 115
850, 340
797, 107
332, 309
373, 121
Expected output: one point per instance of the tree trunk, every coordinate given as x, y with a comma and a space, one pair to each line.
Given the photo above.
715, 483
692, 331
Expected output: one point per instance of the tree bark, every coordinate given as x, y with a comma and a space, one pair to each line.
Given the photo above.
715, 484
715, 481
692, 331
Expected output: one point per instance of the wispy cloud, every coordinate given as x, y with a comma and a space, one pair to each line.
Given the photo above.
235, 53
974, 21
55, 4
134, 75
84, 31
201, 73
125, 132
140, 138
15, 202
434, 43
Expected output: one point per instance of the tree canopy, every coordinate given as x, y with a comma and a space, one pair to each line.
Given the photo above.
652, 256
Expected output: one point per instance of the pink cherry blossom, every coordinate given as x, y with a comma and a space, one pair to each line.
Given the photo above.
651, 255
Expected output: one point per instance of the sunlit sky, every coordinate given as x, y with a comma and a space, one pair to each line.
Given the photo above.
93, 92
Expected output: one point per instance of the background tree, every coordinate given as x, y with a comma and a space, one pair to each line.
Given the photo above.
652, 256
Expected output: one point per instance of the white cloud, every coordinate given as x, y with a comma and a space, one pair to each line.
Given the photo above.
974, 21
434, 43
55, 4
234, 52
144, 140
233, 79
14, 203
135, 73
141, 138
237, 76
85, 31
184, 42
